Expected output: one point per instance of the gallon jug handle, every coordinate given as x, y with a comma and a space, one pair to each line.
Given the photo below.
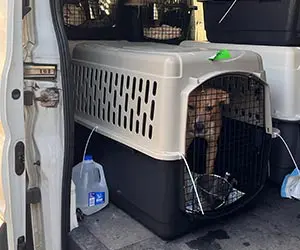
101, 174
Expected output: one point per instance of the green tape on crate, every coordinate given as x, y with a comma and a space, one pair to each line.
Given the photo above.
221, 55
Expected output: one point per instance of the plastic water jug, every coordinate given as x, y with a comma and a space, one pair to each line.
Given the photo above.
91, 188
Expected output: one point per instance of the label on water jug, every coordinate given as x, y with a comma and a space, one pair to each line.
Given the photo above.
96, 198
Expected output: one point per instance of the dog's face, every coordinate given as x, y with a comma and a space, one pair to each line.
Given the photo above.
204, 113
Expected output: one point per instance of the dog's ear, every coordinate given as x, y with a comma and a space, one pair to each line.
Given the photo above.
223, 96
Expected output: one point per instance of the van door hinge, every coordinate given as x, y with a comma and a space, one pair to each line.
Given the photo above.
33, 195
40, 71
26, 8
21, 243
28, 97
49, 98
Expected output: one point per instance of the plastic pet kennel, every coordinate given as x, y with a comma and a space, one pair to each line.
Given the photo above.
178, 135
282, 73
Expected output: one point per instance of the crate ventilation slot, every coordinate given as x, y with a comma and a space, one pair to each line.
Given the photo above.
117, 99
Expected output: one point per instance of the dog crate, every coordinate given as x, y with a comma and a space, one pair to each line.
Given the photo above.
90, 19
264, 22
282, 73
178, 135
156, 20
132, 20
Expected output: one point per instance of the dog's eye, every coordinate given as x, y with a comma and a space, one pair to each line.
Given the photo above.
209, 108
191, 107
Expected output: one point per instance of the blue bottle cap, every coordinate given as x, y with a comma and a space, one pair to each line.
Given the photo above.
88, 158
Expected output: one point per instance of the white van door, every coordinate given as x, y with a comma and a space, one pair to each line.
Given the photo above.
12, 167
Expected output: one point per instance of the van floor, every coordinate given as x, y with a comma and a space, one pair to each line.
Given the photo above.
272, 223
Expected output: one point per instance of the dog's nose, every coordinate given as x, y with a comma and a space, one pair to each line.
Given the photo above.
199, 126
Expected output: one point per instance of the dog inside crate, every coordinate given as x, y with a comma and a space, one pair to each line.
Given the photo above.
225, 120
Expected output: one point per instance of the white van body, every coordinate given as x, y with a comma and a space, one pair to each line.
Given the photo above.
12, 186
31, 113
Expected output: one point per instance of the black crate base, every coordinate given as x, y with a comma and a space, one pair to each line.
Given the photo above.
148, 190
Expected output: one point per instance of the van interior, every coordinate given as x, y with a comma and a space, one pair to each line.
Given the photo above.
78, 21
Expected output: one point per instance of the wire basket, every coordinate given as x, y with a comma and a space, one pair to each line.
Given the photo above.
214, 192
214, 189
